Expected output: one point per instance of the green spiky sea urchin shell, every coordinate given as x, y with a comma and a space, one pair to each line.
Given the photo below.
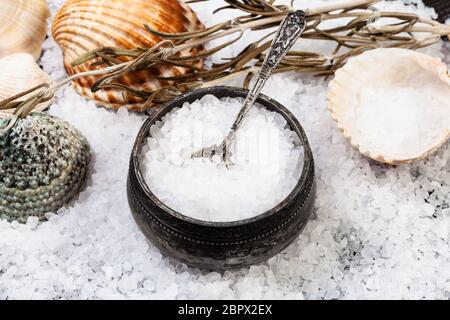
43, 164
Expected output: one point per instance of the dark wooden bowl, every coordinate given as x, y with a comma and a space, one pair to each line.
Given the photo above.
215, 245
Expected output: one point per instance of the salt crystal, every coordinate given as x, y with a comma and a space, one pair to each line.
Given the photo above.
32, 222
127, 283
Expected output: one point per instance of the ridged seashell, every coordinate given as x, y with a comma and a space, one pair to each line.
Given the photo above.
43, 165
393, 104
19, 72
80, 26
23, 26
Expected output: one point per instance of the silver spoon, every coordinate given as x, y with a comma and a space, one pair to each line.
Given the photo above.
290, 30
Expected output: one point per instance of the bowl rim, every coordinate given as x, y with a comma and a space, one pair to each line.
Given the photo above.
156, 115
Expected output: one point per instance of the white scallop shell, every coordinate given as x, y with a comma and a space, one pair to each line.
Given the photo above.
392, 104
19, 72
23, 26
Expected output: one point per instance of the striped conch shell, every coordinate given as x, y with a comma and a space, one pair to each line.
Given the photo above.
23, 26
81, 26
392, 104
19, 72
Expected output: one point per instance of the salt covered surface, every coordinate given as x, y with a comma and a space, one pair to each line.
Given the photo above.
377, 231
267, 161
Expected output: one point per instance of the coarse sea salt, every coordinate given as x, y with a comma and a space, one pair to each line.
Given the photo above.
377, 232
267, 161
407, 120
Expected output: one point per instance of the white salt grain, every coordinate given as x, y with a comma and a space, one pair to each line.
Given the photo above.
267, 160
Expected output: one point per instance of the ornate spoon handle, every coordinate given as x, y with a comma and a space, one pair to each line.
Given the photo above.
290, 30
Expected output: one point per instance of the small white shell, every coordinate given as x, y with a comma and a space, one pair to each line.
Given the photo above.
19, 72
23, 26
392, 104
